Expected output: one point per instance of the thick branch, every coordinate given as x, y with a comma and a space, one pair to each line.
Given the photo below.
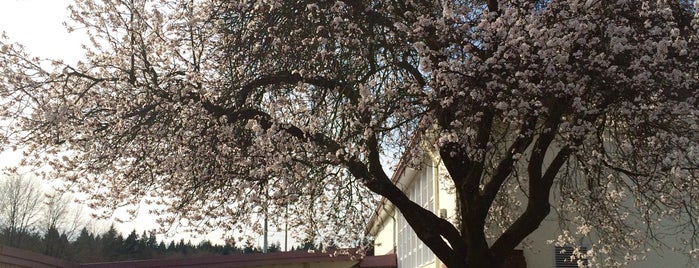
421, 220
506, 164
493, 5
284, 77
555, 166
538, 205
524, 225
413, 71
485, 127
536, 160
456, 161
265, 120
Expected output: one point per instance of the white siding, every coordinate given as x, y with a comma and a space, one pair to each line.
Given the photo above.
385, 238
411, 251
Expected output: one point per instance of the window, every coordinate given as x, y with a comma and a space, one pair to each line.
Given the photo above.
411, 251
565, 257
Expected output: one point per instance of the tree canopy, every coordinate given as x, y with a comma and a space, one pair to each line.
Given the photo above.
216, 110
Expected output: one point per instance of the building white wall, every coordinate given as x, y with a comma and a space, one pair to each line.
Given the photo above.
385, 242
419, 187
538, 250
446, 198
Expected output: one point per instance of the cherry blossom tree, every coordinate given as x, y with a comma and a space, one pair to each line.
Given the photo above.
212, 111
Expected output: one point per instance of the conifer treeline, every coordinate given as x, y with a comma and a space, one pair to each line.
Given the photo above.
112, 246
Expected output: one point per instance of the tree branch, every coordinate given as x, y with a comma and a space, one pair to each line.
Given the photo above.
485, 126
283, 77
506, 164
421, 220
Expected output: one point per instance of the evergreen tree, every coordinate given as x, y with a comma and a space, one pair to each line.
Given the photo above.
249, 248
112, 246
181, 248
149, 245
112, 243
206, 248
172, 248
307, 244
63, 247
162, 249
52, 243
84, 247
131, 247
274, 247
151, 242
228, 249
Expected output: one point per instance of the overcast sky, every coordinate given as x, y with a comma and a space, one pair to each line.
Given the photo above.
38, 24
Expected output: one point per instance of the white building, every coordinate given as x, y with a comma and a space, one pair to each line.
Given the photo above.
428, 186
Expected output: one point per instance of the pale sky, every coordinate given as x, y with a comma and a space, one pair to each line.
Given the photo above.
38, 24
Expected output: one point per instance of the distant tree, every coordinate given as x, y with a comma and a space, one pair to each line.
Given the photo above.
32, 241
308, 244
181, 247
162, 248
55, 210
52, 243
172, 248
205, 246
274, 247
184, 249
85, 248
150, 244
99, 247
63, 249
131, 247
20, 199
112, 245
250, 248
229, 249
58, 211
